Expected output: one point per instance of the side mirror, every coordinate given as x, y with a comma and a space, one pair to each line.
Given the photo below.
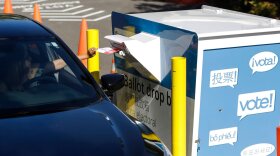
112, 82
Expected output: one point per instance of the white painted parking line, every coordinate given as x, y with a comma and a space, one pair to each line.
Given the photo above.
81, 11
38, 1
65, 13
94, 13
25, 2
69, 9
15, 0
101, 18
84, 16
78, 20
46, 11
60, 11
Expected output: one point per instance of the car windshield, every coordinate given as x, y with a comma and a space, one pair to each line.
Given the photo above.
40, 73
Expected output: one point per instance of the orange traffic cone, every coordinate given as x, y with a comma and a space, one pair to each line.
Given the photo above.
8, 8
278, 140
113, 70
36, 13
82, 50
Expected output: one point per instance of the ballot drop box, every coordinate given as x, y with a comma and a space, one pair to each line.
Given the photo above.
233, 77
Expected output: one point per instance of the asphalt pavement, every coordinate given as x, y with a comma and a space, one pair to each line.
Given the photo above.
64, 16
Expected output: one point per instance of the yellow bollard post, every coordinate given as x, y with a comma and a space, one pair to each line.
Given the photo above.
129, 31
179, 107
93, 63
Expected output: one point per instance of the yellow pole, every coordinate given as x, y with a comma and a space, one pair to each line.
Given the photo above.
93, 63
129, 31
179, 107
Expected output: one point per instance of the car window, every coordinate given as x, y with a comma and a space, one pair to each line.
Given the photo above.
39, 72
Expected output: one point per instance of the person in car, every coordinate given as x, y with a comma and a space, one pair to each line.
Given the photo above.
35, 70
20, 68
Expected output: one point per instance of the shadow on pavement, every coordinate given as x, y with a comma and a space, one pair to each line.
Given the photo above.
162, 5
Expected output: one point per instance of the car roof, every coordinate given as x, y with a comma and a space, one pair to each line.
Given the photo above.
13, 25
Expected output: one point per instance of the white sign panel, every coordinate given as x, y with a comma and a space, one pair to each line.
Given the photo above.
262, 149
255, 103
223, 136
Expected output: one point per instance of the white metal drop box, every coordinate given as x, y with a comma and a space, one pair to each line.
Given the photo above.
233, 84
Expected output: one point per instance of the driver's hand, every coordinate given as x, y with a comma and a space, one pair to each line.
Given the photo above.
91, 52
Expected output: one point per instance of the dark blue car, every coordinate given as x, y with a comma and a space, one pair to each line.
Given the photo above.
49, 111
